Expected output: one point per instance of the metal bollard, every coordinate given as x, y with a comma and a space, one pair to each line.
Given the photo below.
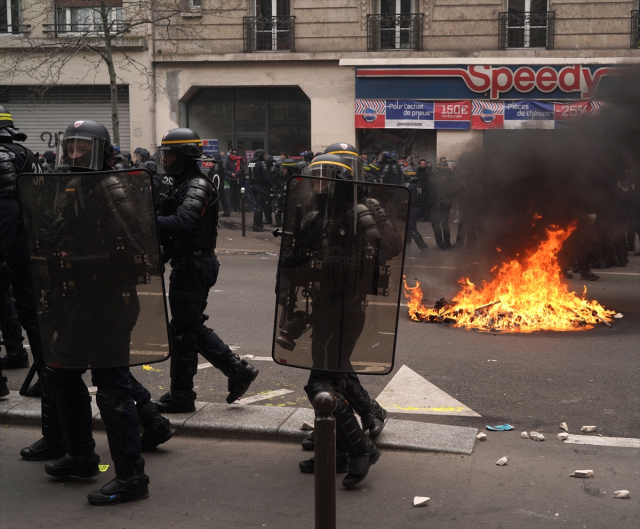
244, 225
324, 404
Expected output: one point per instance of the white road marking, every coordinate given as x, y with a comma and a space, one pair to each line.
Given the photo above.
617, 273
603, 441
264, 396
408, 392
150, 293
205, 365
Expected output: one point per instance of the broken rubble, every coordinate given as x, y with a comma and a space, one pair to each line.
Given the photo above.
564, 426
622, 494
502, 461
582, 474
537, 436
524, 435
481, 436
588, 429
306, 426
419, 501
619, 316
563, 436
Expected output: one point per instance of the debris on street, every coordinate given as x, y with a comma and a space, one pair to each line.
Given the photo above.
502, 461
622, 494
524, 435
420, 501
619, 316
563, 436
481, 436
500, 428
582, 474
564, 426
306, 426
537, 436
588, 429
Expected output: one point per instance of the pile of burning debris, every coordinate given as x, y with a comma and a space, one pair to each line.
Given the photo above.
525, 296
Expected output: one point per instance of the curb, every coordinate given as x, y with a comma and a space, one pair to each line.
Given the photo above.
266, 423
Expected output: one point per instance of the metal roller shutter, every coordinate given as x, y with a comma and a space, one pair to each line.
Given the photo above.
42, 117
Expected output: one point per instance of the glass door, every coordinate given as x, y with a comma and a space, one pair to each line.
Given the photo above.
247, 144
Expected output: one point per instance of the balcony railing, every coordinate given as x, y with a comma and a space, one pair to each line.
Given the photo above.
269, 34
62, 28
14, 29
526, 30
394, 32
635, 29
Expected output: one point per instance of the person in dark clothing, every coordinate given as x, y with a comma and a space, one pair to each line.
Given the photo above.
188, 225
415, 190
217, 176
390, 171
424, 172
441, 199
234, 172
260, 183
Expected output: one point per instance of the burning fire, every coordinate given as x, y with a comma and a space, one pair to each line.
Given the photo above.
524, 296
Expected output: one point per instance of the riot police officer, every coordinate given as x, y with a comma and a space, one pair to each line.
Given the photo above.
285, 171
101, 212
260, 184
216, 175
349, 154
142, 155
415, 207
188, 223
16, 298
390, 172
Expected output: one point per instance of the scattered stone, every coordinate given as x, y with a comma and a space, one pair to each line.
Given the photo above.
537, 436
582, 474
375, 345
588, 429
502, 461
481, 436
564, 426
619, 317
524, 435
622, 494
563, 436
306, 426
420, 501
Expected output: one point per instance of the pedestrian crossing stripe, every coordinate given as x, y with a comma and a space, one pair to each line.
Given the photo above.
408, 392
103, 468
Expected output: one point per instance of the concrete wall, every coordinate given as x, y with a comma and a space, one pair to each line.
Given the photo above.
330, 88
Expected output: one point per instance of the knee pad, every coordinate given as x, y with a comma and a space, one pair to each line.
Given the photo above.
111, 402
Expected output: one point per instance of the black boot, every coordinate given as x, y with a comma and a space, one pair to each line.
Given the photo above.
359, 465
41, 450
16, 358
342, 464
4, 389
130, 484
371, 413
176, 401
68, 466
241, 374
308, 443
157, 429
35, 390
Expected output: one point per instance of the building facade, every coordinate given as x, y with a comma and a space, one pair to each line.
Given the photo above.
425, 78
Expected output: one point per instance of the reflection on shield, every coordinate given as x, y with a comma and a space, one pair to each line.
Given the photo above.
340, 275
95, 268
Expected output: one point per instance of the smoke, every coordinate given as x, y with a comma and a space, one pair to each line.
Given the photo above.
556, 175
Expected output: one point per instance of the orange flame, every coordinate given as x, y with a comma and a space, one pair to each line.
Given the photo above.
524, 297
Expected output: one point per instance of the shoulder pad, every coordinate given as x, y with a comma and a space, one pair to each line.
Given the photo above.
199, 194
8, 173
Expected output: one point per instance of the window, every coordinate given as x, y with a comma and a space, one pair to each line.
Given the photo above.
527, 24
269, 28
395, 25
83, 19
10, 14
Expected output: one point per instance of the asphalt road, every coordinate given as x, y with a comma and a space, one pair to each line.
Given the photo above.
533, 381
218, 484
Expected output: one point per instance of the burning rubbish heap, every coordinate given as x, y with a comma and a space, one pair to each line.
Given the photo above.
524, 296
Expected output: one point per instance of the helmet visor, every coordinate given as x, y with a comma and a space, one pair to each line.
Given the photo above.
355, 162
321, 172
80, 150
170, 160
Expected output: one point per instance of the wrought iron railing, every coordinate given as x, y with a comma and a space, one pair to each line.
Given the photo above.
635, 29
269, 34
526, 30
394, 32
14, 29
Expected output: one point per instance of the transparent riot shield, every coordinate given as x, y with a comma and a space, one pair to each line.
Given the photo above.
340, 275
95, 268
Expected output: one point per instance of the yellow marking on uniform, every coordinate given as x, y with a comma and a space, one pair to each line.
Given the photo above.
442, 409
343, 152
103, 468
325, 162
199, 142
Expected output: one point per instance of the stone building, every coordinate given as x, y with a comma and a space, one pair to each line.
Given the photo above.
422, 77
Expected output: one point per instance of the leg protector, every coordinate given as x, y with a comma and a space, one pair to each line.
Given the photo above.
157, 429
123, 433
16, 357
371, 413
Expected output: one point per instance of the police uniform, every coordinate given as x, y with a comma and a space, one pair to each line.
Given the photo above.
260, 183
415, 191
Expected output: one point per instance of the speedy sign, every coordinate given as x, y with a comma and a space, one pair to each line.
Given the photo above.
481, 82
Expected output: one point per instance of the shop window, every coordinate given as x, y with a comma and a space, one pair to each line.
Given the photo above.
526, 24
10, 17
395, 25
275, 118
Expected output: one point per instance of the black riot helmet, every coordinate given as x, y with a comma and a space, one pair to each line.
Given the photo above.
307, 156
258, 155
142, 155
7, 129
298, 168
84, 145
349, 153
329, 166
410, 174
286, 167
179, 150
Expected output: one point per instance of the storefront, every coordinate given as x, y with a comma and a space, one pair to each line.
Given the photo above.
428, 111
